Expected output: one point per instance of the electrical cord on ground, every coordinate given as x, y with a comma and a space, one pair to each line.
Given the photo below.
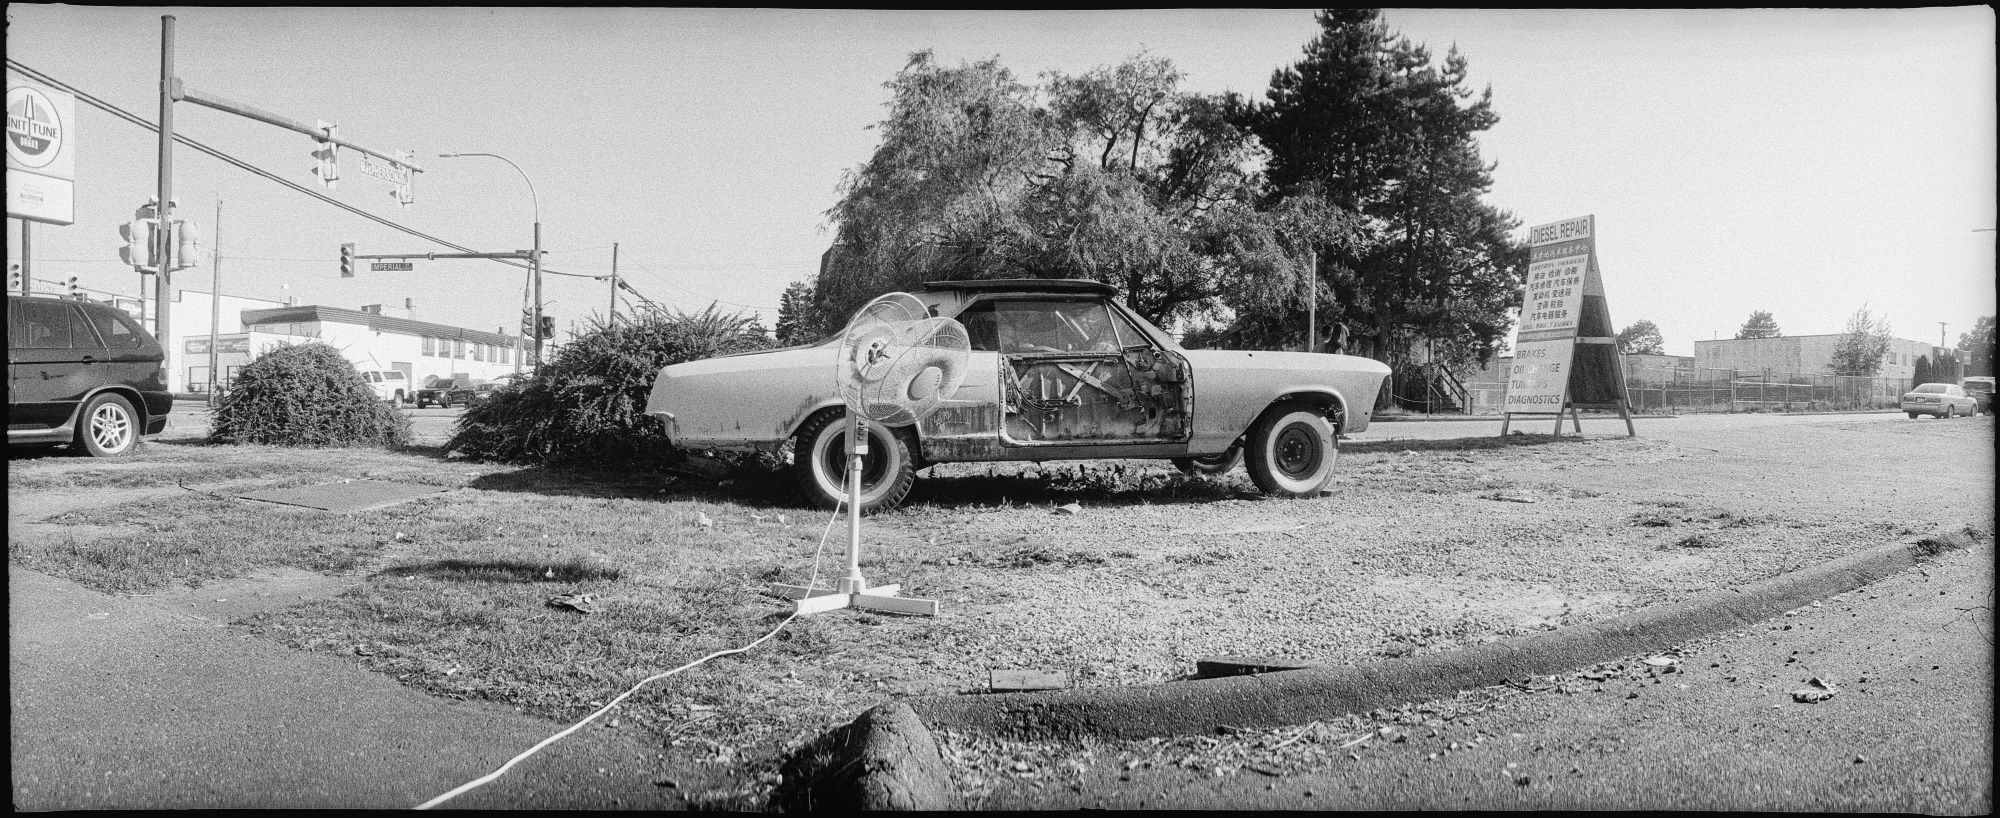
495, 775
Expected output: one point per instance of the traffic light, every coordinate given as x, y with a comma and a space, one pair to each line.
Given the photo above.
347, 260
328, 156
527, 322
73, 288
548, 328
13, 277
138, 249
186, 244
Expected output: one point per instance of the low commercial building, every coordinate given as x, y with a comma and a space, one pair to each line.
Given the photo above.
1804, 355
375, 337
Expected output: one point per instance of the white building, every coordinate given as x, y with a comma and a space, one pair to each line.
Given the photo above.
373, 337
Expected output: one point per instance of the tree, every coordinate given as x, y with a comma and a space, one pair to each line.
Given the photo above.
1860, 349
1115, 175
1976, 347
1367, 122
1760, 325
795, 324
1641, 338
1924, 373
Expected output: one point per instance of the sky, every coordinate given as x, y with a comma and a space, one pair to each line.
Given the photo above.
1804, 162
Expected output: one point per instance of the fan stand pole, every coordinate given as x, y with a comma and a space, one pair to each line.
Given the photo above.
852, 589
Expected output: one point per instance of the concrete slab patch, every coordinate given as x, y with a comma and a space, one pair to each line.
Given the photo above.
355, 495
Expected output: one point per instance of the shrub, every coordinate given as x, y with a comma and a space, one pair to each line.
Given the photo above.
587, 404
305, 395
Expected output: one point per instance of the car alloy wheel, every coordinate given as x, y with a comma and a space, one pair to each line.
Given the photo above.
108, 427
819, 463
1292, 450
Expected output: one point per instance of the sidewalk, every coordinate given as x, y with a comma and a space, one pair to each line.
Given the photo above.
119, 703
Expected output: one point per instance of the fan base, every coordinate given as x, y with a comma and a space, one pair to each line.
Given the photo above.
879, 598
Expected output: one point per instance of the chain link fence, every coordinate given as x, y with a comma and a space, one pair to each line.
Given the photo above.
1725, 390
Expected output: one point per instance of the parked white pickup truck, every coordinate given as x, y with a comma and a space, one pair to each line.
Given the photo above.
389, 385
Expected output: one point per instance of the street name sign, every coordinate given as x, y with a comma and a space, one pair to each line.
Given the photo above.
392, 266
1565, 351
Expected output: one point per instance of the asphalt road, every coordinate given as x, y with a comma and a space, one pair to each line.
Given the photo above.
1908, 729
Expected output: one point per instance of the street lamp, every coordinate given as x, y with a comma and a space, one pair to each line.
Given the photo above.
534, 257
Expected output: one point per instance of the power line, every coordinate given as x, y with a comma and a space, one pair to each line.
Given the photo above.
226, 158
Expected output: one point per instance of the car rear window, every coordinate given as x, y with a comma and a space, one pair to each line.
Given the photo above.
1930, 389
117, 329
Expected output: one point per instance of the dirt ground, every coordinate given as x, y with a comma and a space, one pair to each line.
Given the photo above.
1433, 536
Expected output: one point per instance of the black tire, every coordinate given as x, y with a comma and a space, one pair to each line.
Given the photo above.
1913, 415
819, 463
1948, 411
108, 427
1292, 450
1212, 464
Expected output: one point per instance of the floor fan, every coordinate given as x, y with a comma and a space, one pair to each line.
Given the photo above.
897, 363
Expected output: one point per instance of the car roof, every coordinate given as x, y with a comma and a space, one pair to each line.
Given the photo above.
1032, 285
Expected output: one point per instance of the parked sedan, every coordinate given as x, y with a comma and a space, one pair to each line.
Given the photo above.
1943, 400
468, 393
1058, 370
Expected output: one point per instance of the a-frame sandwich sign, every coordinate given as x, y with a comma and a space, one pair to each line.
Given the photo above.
1565, 352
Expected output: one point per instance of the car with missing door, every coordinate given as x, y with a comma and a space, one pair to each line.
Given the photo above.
1058, 370
84, 374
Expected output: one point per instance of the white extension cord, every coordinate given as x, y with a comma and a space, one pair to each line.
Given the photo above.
492, 776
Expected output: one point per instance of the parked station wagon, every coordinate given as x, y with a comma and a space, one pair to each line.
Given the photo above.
82, 373
1058, 370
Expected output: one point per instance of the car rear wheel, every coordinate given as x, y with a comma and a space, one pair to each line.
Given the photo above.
108, 427
1948, 412
1292, 451
819, 463
1913, 415
1212, 464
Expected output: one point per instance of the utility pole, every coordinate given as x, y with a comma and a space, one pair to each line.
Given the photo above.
27, 265
611, 314
215, 310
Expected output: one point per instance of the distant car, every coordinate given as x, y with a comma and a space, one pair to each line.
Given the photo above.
82, 373
471, 393
1945, 400
1981, 390
389, 385
1058, 370
437, 391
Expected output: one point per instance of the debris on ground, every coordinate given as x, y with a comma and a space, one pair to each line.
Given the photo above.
583, 603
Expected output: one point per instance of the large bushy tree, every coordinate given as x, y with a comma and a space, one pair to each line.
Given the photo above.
1641, 338
1859, 349
1116, 175
1367, 121
1976, 347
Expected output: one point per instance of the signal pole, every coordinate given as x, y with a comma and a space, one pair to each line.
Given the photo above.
163, 236
611, 313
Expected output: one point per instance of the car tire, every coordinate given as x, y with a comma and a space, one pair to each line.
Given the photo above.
1212, 464
108, 427
819, 463
1913, 415
1948, 411
1292, 450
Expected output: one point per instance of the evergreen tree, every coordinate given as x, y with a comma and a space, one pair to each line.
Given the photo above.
1924, 373
1760, 325
1369, 123
795, 324
1976, 347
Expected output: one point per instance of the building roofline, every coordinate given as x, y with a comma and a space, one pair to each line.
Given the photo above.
384, 323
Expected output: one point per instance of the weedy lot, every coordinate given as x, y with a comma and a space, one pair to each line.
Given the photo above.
1422, 545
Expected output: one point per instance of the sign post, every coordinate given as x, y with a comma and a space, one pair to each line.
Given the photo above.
1565, 353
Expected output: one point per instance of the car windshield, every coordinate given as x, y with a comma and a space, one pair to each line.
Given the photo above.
1930, 389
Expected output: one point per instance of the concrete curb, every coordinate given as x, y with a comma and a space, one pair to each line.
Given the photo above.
892, 762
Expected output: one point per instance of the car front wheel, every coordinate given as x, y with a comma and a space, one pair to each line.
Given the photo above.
1292, 451
109, 427
819, 464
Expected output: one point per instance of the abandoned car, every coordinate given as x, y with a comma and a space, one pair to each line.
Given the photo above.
1057, 370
